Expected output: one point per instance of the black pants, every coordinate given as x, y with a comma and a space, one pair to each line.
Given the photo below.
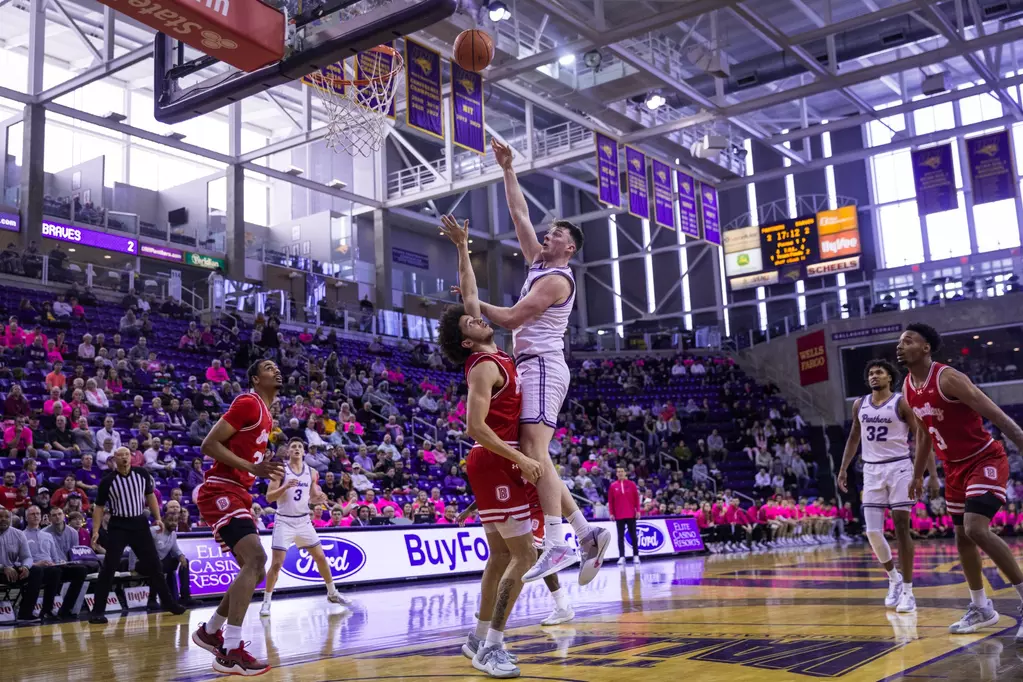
49, 579
176, 575
135, 534
631, 525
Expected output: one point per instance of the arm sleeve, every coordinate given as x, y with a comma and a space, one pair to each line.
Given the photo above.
244, 412
103, 493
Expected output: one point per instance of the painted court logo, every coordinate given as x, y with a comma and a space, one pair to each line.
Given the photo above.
344, 557
651, 538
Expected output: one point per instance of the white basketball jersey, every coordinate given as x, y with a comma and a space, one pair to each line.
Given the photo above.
295, 502
545, 333
885, 436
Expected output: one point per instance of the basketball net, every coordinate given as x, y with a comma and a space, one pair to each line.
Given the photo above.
359, 109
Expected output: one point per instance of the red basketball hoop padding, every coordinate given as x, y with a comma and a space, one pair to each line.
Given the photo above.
246, 34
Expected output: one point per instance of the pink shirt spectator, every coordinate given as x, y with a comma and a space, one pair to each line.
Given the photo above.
217, 374
395, 376
84, 537
305, 338
623, 499
845, 514
77, 310
429, 457
945, 521
428, 385
10, 436
382, 504
48, 408
301, 412
736, 515
889, 525
588, 465
703, 519
320, 523
54, 356
14, 338
923, 524
1000, 519
354, 427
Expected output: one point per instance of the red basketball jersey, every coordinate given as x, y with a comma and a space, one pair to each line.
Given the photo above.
957, 430
249, 415
506, 403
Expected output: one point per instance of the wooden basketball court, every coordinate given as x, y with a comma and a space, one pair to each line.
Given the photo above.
814, 613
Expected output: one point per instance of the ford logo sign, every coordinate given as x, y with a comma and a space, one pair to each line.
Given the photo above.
344, 557
651, 538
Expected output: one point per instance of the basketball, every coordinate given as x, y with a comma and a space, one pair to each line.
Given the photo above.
473, 50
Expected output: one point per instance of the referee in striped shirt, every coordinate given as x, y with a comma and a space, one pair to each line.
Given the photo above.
127, 492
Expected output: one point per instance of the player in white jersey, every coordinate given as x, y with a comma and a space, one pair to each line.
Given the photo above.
539, 321
884, 421
292, 524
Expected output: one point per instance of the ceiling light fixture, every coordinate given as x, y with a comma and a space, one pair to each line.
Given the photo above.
655, 101
567, 60
498, 10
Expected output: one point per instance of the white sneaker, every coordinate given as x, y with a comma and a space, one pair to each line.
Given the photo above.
591, 552
338, 598
494, 661
1019, 633
559, 616
635, 559
894, 593
553, 559
907, 603
472, 645
974, 619
264, 610
621, 561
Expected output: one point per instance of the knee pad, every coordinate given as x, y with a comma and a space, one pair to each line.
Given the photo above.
882, 550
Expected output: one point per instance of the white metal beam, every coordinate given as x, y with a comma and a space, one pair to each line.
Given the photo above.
96, 73
73, 25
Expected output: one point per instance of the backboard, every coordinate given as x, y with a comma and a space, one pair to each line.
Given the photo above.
319, 33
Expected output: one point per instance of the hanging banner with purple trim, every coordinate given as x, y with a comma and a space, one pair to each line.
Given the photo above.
467, 109
664, 200
709, 209
688, 218
935, 179
608, 179
423, 89
639, 193
992, 173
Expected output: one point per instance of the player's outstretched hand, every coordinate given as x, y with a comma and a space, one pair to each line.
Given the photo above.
458, 234
530, 470
462, 517
502, 153
268, 468
843, 481
916, 489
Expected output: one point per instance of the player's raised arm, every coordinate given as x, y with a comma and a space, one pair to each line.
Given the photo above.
517, 205
459, 236
852, 443
546, 292
956, 385
483, 379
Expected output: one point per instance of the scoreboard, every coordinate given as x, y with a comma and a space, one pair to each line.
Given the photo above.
809, 246
793, 242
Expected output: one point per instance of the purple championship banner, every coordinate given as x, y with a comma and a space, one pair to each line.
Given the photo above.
608, 178
690, 221
639, 193
403, 552
664, 198
423, 89
161, 252
992, 171
11, 222
467, 109
99, 240
373, 65
709, 209
935, 180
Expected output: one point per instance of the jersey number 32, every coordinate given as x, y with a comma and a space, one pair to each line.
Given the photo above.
877, 433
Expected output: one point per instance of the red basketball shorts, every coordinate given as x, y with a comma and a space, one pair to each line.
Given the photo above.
499, 488
219, 503
985, 473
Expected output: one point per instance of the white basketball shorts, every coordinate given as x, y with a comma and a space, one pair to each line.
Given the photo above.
543, 380
887, 484
290, 531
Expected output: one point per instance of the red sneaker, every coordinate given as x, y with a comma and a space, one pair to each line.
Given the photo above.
239, 662
212, 643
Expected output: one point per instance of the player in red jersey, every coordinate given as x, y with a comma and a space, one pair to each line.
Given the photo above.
976, 468
238, 444
498, 472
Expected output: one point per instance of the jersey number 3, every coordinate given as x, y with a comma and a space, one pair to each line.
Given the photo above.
877, 433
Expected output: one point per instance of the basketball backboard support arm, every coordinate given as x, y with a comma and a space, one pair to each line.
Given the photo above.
173, 104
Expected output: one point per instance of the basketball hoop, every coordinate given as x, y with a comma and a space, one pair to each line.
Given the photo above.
358, 109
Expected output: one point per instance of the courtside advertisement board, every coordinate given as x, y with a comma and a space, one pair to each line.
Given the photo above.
405, 552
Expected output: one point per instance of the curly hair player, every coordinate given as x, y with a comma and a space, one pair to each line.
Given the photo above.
498, 472
538, 322
976, 469
883, 421
238, 443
